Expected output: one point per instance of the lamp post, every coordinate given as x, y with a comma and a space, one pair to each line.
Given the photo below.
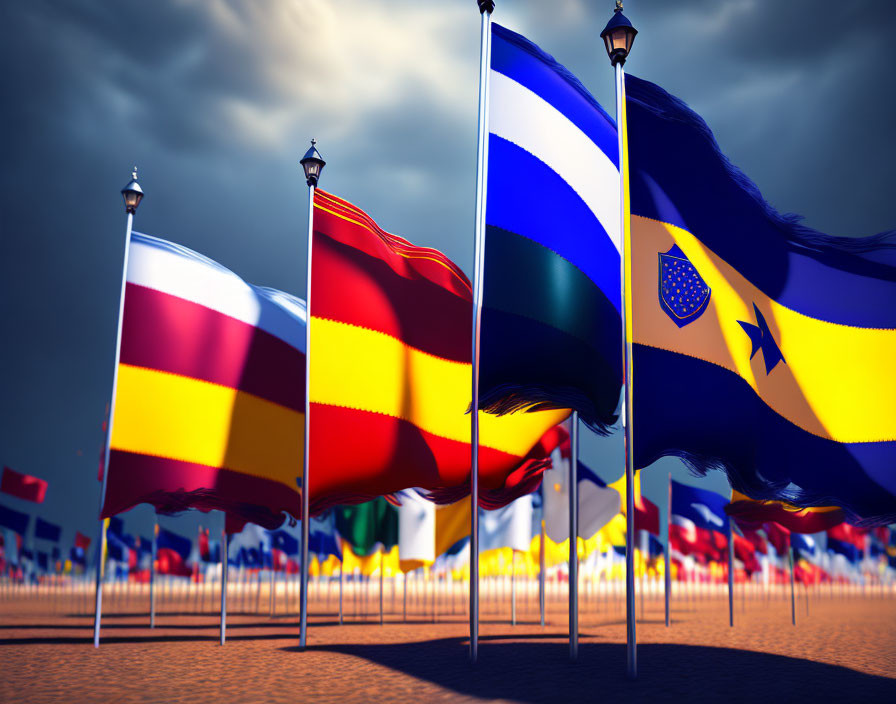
312, 164
618, 36
132, 194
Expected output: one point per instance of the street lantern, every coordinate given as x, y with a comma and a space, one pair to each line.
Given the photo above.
132, 193
313, 164
618, 35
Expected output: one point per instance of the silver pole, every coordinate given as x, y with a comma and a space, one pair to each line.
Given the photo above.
668, 570
574, 538
513, 589
382, 568
730, 573
272, 585
485, 47
627, 412
541, 576
404, 608
340, 593
792, 597
306, 499
152, 573
225, 542
101, 539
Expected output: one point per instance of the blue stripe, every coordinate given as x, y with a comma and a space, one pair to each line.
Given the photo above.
711, 418
522, 61
684, 497
528, 198
679, 176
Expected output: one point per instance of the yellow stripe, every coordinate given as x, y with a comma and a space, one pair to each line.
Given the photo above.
837, 381
357, 368
737, 496
166, 415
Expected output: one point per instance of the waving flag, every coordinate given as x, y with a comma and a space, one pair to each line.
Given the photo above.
16, 521
507, 527
284, 542
751, 514
551, 327
210, 392
416, 531
23, 486
368, 525
391, 329
598, 503
44, 530
761, 346
706, 509
322, 538
647, 513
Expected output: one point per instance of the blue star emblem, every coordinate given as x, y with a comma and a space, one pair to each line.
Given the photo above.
761, 338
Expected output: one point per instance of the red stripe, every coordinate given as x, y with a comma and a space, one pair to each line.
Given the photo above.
368, 453
352, 287
751, 514
403, 257
173, 485
168, 333
23, 486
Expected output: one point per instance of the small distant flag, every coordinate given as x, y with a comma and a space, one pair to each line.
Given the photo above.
16, 521
82, 541
284, 542
416, 531
598, 503
507, 527
44, 530
23, 486
705, 508
322, 539
172, 541
368, 525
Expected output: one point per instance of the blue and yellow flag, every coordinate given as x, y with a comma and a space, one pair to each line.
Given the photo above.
762, 347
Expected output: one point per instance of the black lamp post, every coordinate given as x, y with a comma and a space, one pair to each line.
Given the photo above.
313, 164
618, 36
132, 193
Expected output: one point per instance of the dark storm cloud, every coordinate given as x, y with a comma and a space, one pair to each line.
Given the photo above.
216, 102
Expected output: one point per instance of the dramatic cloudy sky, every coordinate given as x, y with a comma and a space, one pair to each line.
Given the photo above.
215, 100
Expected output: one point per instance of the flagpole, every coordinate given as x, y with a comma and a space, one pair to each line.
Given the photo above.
574, 537
541, 575
225, 540
382, 569
792, 597
312, 164
618, 36
133, 194
730, 573
152, 573
668, 570
485, 9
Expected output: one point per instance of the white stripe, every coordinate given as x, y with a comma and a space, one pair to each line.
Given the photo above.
178, 271
530, 122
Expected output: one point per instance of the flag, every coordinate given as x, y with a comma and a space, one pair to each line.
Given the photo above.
647, 513
778, 536
391, 379
749, 513
210, 392
705, 508
44, 530
23, 486
551, 326
284, 542
78, 556
452, 525
846, 533
745, 551
416, 531
598, 503
81, 541
169, 540
802, 544
16, 521
507, 527
368, 525
762, 347
322, 539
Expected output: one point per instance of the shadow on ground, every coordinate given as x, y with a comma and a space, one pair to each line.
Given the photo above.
541, 672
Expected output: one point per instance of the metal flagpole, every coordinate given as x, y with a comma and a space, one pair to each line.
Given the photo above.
668, 570
225, 541
618, 36
382, 569
485, 9
513, 588
574, 537
792, 597
340, 592
312, 164
541, 576
152, 573
132, 194
730, 573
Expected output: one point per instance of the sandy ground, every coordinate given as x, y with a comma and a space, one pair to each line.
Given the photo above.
842, 649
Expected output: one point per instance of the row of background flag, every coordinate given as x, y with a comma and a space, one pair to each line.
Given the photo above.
732, 303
